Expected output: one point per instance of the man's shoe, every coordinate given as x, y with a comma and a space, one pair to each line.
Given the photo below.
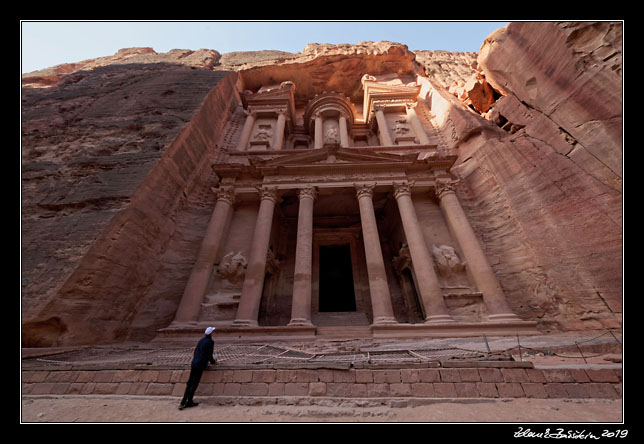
192, 404
182, 406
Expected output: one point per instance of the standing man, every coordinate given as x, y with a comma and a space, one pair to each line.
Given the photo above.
203, 355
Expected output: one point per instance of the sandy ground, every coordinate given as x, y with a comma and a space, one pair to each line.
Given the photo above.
115, 409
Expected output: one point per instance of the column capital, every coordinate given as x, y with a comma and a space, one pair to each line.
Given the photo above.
364, 189
225, 193
379, 107
308, 191
444, 187
410, 105
402, 189
269, 193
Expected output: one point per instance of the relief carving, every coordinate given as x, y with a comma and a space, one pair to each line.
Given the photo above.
401, 128
272, 264
233, 267
331, 136
403, 260
446, 260
263, 133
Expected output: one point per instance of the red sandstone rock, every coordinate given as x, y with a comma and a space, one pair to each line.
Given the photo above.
116, 170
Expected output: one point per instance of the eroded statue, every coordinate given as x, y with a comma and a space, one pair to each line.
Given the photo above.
233, 267
446, 260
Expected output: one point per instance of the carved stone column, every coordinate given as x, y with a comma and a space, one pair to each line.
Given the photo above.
193, 294
319, 131
248, 309
479, 267
416, 125
344, 131
430, 291
246, 131
278, 137
385, 137
378, 287
301, 306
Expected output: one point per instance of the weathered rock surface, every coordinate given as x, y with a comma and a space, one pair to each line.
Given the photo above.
570, 73
107, 156
545, 195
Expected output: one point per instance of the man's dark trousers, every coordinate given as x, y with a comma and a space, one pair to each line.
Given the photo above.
191, 386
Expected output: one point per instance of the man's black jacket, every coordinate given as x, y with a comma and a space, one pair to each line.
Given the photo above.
203, 353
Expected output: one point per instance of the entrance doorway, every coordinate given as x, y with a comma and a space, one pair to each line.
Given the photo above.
336, 279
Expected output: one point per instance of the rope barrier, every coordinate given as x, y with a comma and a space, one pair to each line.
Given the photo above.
261, 353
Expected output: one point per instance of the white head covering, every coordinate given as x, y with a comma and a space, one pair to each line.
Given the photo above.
210, 330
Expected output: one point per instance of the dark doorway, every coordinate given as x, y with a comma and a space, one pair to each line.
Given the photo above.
336, 279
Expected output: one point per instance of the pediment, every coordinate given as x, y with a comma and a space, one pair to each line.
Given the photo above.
331, 155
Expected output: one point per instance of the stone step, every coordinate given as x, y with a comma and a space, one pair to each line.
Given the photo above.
340, 318
344, 331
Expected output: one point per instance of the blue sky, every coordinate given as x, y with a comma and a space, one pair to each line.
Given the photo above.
48, 43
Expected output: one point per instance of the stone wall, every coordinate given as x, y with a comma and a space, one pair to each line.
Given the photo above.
475, 382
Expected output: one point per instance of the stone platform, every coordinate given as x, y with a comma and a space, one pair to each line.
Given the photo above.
428, 369
399, 331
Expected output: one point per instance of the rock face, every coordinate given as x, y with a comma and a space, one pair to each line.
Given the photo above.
547, 195
105, 162
116, 177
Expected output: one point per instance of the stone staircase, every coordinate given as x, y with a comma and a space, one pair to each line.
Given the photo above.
337, 325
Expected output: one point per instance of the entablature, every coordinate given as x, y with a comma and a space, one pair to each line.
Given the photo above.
337, 167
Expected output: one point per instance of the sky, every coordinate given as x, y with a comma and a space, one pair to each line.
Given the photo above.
49, 43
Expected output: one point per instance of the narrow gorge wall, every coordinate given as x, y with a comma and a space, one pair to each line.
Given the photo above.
544, 188
109, 155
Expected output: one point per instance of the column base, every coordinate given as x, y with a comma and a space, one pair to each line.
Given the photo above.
241, 323
438, 318
183, 324
384, 320
503, 317
300, 322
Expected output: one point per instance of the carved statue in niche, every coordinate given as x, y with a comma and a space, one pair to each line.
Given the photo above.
401, 128
233, 267
272, 264
449, 266
222, 298
331, 136
403, 260
263, 133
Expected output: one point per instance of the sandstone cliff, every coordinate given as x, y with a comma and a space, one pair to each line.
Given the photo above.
116, 177
546, 194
